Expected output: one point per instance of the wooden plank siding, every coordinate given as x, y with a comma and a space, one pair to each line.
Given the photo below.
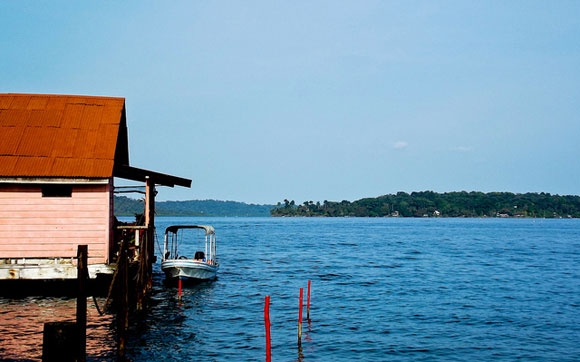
32, 226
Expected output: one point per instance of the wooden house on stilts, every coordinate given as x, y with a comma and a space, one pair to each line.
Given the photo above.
59, 156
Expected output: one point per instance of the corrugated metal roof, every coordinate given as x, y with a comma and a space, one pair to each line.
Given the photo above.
61, 135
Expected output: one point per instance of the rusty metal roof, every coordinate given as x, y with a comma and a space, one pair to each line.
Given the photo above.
61, 135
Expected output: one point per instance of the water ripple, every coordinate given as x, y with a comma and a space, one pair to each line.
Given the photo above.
382, 289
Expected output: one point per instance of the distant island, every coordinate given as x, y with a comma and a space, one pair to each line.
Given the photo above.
432, 204
125, 206
415, 204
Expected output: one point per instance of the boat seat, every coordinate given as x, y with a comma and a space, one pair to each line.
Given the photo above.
199, 255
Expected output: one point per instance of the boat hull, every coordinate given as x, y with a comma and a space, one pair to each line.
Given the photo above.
189, 269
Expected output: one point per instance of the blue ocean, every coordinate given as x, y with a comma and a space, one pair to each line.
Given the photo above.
382, 289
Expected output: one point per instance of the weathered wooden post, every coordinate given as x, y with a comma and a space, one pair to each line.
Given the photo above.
82, 279
123, 301
147, 246
150, 223
141, 282
67, 341
60, 342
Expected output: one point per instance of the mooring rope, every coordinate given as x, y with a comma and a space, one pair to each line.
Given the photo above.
97, 306
157, 241
110, 292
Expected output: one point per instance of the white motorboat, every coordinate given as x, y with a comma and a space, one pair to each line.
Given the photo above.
203, 266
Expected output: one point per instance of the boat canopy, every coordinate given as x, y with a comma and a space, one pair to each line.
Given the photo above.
173, 228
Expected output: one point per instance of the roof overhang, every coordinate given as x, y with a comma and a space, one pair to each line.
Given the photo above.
140, 174
53, 180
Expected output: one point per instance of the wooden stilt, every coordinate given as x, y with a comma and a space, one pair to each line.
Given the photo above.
150, 223
60, 342
82, 279
140, 283
123, 304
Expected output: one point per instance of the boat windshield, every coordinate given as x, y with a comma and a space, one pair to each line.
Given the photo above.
171, 243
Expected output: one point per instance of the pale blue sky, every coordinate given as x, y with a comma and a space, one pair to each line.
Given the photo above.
258, 101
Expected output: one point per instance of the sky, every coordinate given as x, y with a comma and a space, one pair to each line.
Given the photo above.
261, 101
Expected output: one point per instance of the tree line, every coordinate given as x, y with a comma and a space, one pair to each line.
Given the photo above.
433, 204
125, 206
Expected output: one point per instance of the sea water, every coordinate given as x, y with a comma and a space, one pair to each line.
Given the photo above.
381, 289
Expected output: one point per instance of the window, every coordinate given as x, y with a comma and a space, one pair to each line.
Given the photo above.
56, 190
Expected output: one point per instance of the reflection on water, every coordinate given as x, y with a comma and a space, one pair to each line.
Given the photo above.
22, 322
171, 326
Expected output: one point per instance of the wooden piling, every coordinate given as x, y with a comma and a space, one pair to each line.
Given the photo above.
150, 223
60, 342
141, 281
300, 320
144, 281
308, 303
123, 301
82, 279
267, 325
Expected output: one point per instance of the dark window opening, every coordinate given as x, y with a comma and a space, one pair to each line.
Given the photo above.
56, 191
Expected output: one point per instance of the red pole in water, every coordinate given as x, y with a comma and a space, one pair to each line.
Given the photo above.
179, 288
300, 320
267, 323
308, 303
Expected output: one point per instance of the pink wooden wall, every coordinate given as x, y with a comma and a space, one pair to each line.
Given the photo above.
32, 226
